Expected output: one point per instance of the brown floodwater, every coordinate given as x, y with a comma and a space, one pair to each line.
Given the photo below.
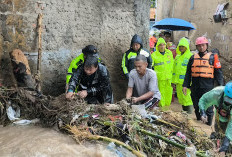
34, 141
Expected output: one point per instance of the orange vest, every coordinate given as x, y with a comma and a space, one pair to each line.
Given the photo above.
201, 66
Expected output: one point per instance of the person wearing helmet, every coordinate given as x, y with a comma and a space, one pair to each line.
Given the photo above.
88, 50
129, 56
203, 68
163, 66
179, 70
221, 98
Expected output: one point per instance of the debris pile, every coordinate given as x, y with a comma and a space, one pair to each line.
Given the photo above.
158, 134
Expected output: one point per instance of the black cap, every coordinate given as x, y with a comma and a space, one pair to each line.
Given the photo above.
90, 49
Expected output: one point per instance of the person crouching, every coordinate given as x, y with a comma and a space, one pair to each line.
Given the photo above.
92, 82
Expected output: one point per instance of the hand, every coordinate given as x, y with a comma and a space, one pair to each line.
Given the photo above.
134, 99
83, 94
185, 90
69, 95
204, 119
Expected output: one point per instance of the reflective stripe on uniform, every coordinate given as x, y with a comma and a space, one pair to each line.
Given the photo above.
156, 64
123, 64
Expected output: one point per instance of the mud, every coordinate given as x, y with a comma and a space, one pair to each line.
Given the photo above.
36, 141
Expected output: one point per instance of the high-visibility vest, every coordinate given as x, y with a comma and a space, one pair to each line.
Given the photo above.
201, 66
74, 65
163, 64
180, 66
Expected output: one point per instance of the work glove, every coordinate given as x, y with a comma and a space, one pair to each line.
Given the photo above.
225, 145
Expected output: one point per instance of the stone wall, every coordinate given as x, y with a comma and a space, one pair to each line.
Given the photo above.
68, 26
201, 16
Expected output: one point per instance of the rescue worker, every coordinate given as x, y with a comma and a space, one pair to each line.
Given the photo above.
142, 85
129, 56
221, 99
163, 66
92, 82
152, 42
203, 68
88, 50
179, 70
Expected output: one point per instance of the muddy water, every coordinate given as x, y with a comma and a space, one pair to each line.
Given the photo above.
32, 141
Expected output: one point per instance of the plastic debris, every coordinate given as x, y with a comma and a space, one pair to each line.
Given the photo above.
12, 114
112, 147
26, 122
190, 151
95, 116
75, 117
85, 116
140, 109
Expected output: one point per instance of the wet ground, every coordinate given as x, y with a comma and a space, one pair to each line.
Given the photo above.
175, 106
33, 141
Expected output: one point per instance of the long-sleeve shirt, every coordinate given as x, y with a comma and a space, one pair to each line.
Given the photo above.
213, 98
97, 84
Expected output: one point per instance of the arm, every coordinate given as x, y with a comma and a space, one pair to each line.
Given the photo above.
74, 82
129, 92
218, 71
188, 75
210, 98
174, 71
75, 79
172, 63
125, 64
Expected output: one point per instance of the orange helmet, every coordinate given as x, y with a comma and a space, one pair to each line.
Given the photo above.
201, 40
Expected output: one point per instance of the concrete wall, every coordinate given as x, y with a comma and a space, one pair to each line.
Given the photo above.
68, 26
201, 16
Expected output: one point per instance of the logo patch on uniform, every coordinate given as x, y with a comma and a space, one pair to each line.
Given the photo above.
186, 61
218, 65
204, 62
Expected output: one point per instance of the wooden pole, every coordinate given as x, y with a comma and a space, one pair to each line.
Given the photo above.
39, 30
